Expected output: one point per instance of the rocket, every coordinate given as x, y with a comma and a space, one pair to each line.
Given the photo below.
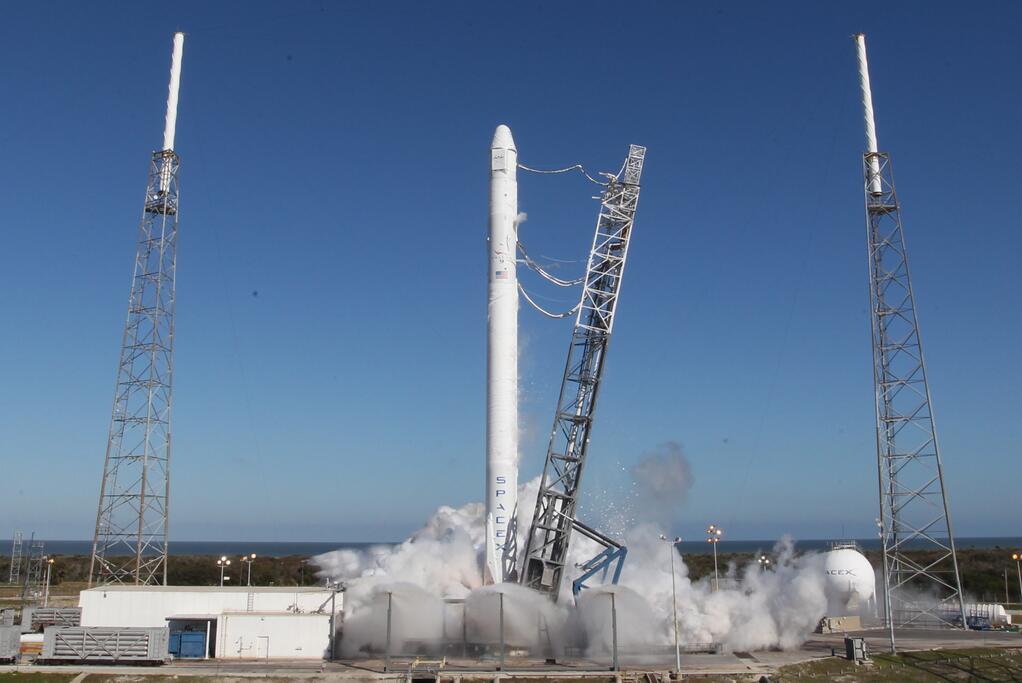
502, 363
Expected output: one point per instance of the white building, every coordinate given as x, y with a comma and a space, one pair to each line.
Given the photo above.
257, 622
272, 635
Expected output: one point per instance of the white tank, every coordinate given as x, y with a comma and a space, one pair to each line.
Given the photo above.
997, 615
850, 580
994, 613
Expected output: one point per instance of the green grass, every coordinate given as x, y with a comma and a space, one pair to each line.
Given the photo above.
163, 678
912, 667
155, 677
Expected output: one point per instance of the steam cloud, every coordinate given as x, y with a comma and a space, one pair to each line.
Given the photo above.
661, 480
752, 610
664, 476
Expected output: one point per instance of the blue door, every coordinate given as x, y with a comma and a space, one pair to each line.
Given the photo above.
193, 645
174, 647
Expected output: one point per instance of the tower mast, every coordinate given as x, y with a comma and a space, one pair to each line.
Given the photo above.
914, 513
130, 541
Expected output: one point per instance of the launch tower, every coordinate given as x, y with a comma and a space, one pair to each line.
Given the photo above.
554, 520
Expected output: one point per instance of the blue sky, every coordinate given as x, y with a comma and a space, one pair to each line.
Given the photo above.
330, 356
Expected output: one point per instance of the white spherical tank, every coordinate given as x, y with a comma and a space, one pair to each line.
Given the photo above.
849, 577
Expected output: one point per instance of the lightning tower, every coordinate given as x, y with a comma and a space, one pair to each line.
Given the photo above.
130, 542
554, 518
15, 573
914, 512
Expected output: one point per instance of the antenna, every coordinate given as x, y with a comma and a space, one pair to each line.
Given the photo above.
130, 542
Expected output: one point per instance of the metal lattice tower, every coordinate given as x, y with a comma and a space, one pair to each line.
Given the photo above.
34, 569
16, 558
914, 512
130, 542
554, 519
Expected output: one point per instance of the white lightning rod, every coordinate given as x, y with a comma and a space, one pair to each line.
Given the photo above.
175, 84
867, 115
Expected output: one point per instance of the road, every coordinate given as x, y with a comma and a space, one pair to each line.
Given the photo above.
731, 663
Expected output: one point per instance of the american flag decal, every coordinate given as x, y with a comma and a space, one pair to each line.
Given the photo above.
501, 274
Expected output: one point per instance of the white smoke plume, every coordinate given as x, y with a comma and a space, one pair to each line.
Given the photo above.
661, 481
664, 476
416, 616
752, 610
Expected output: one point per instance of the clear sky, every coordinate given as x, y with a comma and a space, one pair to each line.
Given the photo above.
330, 351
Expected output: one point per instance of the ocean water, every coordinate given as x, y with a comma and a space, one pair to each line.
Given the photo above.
309, 548
211, 548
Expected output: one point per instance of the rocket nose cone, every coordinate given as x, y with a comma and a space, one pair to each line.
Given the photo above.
502, 138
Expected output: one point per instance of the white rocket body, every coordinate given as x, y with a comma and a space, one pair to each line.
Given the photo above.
502, 362
867, 115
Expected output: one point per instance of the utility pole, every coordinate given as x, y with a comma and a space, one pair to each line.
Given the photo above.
674, 603
1018, 568
46, 592
713, 534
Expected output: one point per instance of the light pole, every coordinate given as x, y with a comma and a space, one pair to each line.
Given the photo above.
674, 602
249, 559
1018, 567
613, 626
764, 562
713, 534
304, 562
223, 563
335, 588
390, 615
46, 592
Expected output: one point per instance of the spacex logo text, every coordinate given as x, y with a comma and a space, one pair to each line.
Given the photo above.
841, 572
500, 520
